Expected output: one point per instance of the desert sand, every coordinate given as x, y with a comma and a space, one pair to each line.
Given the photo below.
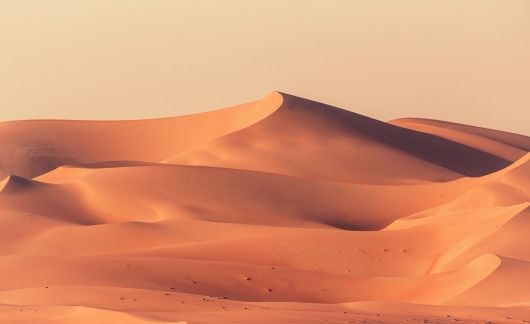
282, 210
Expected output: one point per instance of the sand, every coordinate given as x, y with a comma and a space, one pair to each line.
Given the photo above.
282, 210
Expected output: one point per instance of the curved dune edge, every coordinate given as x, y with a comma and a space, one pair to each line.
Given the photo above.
280, 210
33, 147
503, 144
302, 128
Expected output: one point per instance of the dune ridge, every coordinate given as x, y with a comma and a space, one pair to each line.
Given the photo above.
34, 147
279, 210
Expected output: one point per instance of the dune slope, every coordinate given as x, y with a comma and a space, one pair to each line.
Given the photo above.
341, 146
281, 210
30, 148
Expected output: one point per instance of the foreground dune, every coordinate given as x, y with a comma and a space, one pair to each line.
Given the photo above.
280, 210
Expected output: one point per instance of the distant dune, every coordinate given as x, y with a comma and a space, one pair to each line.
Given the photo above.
282, 210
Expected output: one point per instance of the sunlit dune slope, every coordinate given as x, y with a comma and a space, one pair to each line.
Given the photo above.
282, 210
30, 148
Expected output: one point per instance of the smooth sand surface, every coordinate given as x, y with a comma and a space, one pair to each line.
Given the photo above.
283, 210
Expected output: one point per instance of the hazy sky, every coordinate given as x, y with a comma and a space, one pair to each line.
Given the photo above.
464, 61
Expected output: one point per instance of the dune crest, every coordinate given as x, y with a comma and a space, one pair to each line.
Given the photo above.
301, 129
280, 210
31, 148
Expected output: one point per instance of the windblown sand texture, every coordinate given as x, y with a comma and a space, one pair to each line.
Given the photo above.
282, 210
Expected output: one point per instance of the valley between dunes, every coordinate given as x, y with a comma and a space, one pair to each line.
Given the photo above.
282, 210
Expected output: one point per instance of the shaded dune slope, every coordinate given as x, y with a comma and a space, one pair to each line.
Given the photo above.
502, 144
342, 146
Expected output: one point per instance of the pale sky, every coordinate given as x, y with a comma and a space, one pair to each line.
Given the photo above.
464, 61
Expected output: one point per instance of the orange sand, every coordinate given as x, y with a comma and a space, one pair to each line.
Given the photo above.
280, 210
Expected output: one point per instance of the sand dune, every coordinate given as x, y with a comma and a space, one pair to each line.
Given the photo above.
503, 144
30, 148
302, 129
279, 210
